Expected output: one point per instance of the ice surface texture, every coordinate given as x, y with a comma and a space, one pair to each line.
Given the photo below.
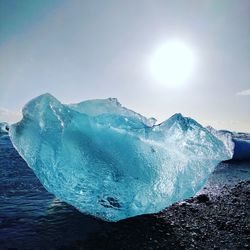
225, 136
111, 162
238, 143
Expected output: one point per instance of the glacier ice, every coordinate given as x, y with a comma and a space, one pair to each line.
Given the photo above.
241, 149
225, 136
111, 162
237, 143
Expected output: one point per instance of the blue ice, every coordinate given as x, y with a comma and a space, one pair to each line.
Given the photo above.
111, 162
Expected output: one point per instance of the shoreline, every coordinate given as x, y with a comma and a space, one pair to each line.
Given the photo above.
202, 222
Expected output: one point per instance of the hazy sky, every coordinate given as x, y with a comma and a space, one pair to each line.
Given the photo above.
79, 49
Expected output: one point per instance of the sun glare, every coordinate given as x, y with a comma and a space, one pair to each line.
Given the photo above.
172, 64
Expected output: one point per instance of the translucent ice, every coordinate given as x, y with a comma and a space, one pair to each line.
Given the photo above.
225, 136
236, 143
111, 162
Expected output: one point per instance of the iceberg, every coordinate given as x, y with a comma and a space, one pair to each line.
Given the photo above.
4, 127
237, 143
242, 146
241, 150
225, 136
111, 162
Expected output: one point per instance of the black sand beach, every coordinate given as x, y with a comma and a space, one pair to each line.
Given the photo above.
219, 220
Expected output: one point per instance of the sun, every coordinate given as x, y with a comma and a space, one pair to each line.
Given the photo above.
172, 63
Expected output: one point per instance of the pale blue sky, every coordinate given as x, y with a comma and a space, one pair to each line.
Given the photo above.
79, 50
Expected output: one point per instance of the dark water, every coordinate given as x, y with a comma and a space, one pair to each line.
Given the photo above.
32, 218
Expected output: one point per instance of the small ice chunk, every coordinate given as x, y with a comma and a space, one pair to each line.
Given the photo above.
4, 127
